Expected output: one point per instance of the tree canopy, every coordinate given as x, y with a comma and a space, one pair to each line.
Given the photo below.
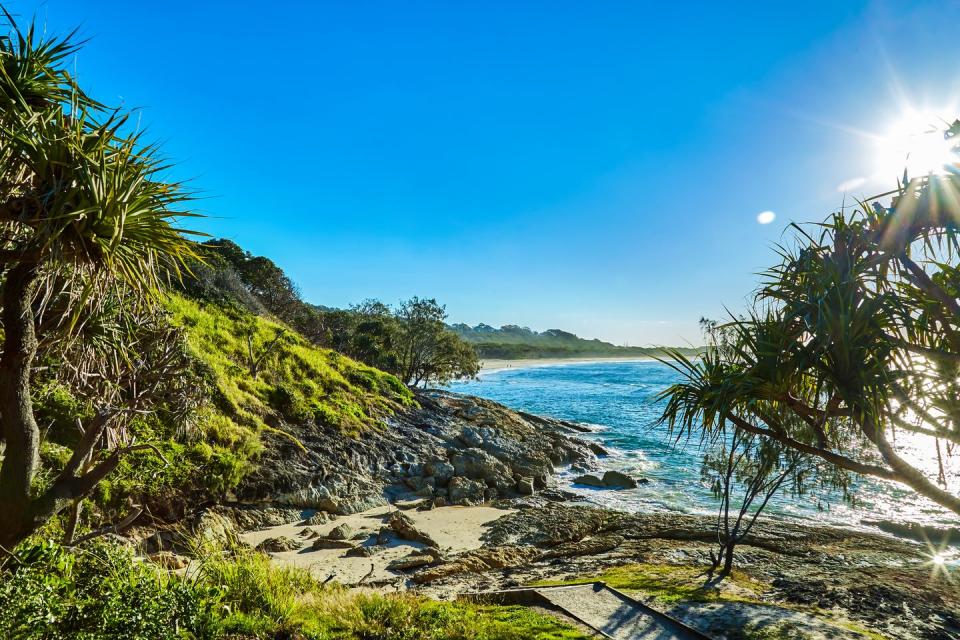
851, 351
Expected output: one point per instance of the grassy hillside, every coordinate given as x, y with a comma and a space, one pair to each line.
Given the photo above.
207, 453
512, 341
262, 373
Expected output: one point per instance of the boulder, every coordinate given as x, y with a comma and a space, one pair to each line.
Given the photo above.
253, 518
525, 486
308, 533
327, 543
617, 480
363, 551
403, 526
320, 517
478, 561
279, 545
465, 491
415, 560
215, 529
340, 532
590, 480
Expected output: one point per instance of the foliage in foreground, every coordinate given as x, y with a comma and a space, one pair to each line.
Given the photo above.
101, 592
851, 353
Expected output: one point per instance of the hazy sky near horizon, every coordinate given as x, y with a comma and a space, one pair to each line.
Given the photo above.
592, 166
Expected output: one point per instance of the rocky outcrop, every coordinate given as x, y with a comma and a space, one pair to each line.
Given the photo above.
452, 448
279, 545
403, 526
610, 480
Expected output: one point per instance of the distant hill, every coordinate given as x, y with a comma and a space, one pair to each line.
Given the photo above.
511, 342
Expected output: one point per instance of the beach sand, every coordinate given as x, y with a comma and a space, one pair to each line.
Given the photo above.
489, 366
454, 528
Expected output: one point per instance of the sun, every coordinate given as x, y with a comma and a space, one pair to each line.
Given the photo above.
915, 143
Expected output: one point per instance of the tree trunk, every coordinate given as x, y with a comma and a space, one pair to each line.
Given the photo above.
16, 408
727, 560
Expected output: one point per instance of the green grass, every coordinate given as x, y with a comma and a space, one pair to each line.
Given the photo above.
296, 382
670, 584
673, 583
102, 592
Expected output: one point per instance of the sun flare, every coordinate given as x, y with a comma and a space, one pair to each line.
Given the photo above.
915, 143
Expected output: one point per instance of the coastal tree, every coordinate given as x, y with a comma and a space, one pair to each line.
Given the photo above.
428, 351
84, 210
851, 352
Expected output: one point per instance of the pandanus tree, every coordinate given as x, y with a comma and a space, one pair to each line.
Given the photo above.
851, 354
83, 204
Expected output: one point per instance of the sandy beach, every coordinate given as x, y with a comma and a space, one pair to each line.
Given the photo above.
489, 366
455, 529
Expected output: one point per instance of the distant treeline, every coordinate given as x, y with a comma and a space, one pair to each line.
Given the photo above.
511, 342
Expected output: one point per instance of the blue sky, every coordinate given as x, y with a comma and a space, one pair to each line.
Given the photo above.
591, 166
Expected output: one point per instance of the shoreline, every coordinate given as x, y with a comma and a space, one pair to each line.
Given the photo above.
494, 365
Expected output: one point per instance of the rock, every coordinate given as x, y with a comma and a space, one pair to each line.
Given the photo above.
253, 518
340, 532
465, 491
590, 480
363, 551
588, 547
915, 531
415, 560
439, 501
360, 535
617, 480
308, 533
440, 470
525, 486
478, 561
384, 535
598, 450
403, 526
169, 560
407, 505
214, 529
610, 480
327, 543
320, 517
478, 464
279, 545
425, 446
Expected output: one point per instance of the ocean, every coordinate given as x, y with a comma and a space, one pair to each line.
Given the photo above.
617, 399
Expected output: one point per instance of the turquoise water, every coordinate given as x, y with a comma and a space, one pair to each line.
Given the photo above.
617, 400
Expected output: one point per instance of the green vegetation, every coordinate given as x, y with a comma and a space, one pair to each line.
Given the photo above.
409, 341
670, 583
297, 382
854, 343
511, 342
84, 213
101, 592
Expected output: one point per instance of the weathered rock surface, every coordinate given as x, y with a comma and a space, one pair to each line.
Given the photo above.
341, 532
610, 480
169, 560
327, 543
456, 449
255, 517
403, 526
320, 517
279, 544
